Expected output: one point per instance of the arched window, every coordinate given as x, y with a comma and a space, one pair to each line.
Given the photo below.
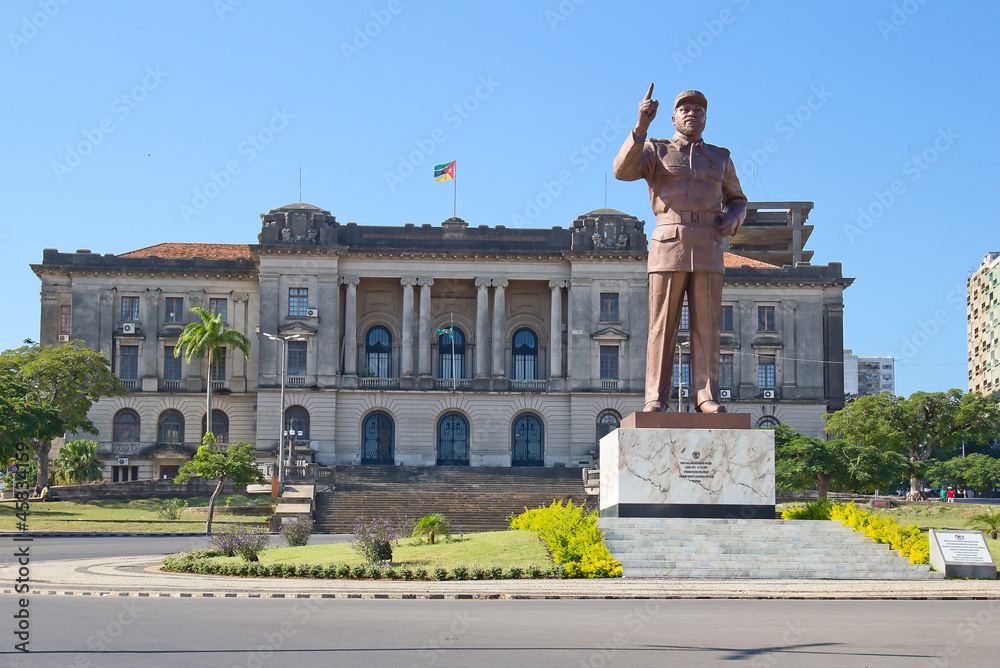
378, 352
767, 422
525, 353
607, 421
297, 420
453, 440
220, 426
451, 354
126, 426
378, 439
170, 427
527, 441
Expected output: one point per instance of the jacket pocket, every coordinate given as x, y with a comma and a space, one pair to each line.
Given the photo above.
666, 233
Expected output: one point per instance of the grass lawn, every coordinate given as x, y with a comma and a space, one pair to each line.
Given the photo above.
117, 515
492, 548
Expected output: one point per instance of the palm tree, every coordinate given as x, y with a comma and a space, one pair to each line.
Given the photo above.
77, 463
988, 521
431, 526
206, 338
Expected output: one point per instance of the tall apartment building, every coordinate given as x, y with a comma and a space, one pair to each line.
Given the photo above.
865, 376
982, 294
431, 345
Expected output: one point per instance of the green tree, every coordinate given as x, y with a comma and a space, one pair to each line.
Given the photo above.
917, 426
976, 471
21, 418
210, 463
430, 526
67, 379
206, 339
77, 463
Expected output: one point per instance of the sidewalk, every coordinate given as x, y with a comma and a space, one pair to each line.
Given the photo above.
140, 576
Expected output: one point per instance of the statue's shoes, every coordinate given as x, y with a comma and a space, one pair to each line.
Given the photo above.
711, 407
654, 407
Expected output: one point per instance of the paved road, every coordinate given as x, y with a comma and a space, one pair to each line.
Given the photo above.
83, 547
72, 631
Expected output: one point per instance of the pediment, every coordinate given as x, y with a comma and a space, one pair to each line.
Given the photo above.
297, 329
609, 334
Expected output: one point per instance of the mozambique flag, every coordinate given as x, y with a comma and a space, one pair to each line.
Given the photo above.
445, 172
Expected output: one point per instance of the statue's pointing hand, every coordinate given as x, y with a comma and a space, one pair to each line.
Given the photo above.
647, 112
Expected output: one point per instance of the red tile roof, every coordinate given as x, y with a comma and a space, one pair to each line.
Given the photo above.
186, 251
733, 260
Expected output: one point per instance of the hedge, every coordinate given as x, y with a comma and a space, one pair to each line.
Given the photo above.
571, 534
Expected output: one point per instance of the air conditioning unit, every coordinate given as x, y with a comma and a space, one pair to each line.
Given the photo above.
63, 338
312, 312
726, 394
128, 328
769, 394
685, 393
123, 461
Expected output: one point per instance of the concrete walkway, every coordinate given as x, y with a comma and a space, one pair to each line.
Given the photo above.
140, 576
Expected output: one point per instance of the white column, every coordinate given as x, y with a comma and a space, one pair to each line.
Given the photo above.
482, 322
424, 335
499, 324
351, 325
555, 329
406, 346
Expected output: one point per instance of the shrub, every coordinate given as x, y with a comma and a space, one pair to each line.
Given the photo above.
343, 571
572, 536
430, 526
494, 573
440, 574
331, 572
373, 541
477, 572
420, 574
358, 572
881, 528
376, 572
240, 539
460, 573
533, 571
987, 521
297, 532
515, 572
406, 573
170, 509
817, 510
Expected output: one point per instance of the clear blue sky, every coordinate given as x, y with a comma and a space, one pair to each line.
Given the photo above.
118, 114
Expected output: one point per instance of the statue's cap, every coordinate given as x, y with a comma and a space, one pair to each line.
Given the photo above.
691, 96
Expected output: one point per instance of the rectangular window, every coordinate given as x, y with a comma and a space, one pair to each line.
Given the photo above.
297, 358
685, 367
298, 298
130, 309
219, 365
175, 310
726, 319
128, 369
685, 318
218, 307
765, 372
726, 370
169, 472
64, 319
609, 362
171, 364
609, 307
765, 319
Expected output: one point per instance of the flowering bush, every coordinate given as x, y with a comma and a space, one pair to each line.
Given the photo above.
909, 540
297, 533
571, 534
373, 541
240, 539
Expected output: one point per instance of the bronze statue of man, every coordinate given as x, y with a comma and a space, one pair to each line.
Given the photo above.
697, 200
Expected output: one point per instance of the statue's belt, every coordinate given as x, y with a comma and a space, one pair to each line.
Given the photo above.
688, 217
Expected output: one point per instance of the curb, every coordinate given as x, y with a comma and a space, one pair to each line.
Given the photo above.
96, 534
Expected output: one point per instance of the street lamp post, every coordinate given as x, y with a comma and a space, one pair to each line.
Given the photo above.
281, 406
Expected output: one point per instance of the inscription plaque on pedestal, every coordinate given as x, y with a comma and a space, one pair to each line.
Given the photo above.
961, 554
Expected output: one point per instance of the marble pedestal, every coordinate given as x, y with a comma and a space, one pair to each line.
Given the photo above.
687, 465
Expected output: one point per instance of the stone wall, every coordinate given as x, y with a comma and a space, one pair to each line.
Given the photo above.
139, 489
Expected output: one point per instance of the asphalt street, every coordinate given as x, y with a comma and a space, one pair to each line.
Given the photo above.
72, 631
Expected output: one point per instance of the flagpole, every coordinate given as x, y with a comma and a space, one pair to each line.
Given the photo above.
454, 206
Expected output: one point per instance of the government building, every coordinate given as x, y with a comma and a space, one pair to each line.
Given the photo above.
432, 345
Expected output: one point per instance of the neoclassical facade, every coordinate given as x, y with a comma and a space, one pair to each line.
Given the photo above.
426, 345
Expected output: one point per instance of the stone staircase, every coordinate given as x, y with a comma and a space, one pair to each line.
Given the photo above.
474, 499
728, 548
